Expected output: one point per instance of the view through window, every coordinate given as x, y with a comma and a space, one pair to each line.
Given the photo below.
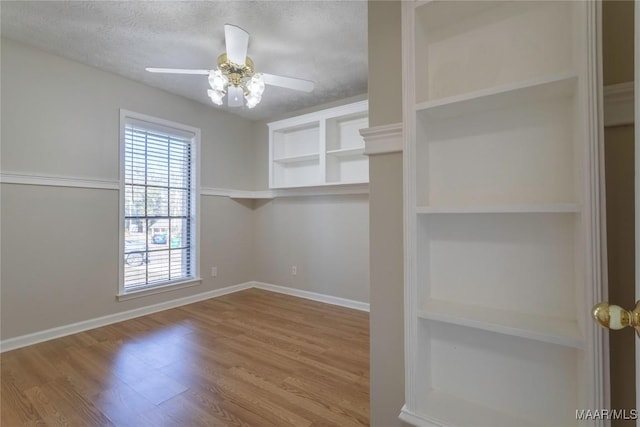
159, 213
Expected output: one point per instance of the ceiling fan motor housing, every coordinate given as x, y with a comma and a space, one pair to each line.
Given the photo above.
235, 73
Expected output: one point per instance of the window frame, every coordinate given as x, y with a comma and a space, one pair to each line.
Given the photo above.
179, 129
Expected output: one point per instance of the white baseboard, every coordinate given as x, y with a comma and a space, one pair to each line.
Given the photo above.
328, 299
415, 419
74, 328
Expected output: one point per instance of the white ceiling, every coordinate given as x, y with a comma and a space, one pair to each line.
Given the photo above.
322, 41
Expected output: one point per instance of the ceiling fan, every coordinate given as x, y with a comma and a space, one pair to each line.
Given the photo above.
235, 76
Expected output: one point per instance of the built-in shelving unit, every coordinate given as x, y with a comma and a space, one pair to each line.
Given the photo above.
321, 148
502, 202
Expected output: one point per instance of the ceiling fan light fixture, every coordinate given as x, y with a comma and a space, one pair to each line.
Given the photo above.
218, 81
255, 85
234, 77
253, 100
216, 96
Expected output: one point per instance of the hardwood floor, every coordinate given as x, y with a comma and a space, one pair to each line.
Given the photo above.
253, 358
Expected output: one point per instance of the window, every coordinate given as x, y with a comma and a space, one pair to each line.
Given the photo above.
158, 203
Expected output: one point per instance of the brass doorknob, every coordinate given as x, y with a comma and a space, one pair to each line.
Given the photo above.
616, 317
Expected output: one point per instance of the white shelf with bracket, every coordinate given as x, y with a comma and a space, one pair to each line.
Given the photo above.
320, 148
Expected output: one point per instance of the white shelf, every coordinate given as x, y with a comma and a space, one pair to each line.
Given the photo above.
298, 159
354, 182
444, 409
346, 152
320, 148
499, 97
553, 331
514, 208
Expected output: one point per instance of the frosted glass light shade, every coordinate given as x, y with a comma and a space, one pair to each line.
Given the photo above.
256, 85
218, 81
253, 100
216, 96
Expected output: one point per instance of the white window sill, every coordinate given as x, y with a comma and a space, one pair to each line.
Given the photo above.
126, 295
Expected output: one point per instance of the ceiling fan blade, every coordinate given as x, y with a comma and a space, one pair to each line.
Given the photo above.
235, 96
237, 42
288, 82
176, 71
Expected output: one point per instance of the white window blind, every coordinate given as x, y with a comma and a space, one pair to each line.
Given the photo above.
159, 212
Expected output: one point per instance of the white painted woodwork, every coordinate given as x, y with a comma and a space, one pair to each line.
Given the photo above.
320, 148
503, 209
382, 139
78, 182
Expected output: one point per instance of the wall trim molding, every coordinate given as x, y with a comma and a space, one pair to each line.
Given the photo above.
76, 182
327, 299
84, 325
235, 194
58, 181
618, 104
321, 190
382, 139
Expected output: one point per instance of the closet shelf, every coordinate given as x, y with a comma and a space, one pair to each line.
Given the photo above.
506, 208
297, 159
500, 97
540, 328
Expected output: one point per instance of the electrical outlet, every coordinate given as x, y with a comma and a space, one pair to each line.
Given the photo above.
214, 271
294, 270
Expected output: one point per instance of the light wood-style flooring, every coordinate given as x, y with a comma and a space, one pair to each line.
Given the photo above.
252, 358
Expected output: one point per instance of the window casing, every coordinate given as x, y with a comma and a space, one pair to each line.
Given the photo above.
159, 203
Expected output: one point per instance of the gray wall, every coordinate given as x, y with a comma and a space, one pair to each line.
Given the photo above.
60, 245
326, 238
385, 173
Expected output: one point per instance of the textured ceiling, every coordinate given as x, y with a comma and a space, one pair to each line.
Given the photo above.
322, 41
